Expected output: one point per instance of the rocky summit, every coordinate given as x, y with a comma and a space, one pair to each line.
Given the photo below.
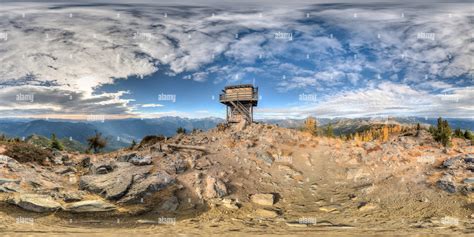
235, 177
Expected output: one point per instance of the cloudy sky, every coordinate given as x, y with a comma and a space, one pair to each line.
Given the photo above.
327, 59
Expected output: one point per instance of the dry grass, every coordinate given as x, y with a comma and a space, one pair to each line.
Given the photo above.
24, 152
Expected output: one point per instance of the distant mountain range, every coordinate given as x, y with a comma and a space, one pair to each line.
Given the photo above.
121, 133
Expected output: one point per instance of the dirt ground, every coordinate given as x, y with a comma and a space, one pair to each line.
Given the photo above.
321, 186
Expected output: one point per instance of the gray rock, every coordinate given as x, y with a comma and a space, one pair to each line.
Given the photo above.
127, 157
85, 162
262, 199
66, 170
9, 188
265, 157
101, 168
72, 197
180, 166
170, 205
215, 188
11, 163
138, 160
90, 206
36, 203
7, 180
469, 180
147, 185
451, 162
112, 186
446, 183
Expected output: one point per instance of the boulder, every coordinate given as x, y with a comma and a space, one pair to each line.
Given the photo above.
7, 180
144, 186
72, 197
9, 188
452, 162
101, 168
265, 157
367, 207
85, 162
446, 183
170, 205
114, 185
90, 206
11, 163
36, 203
262, 199
66, 170
266, 213
469, 180
126, 157
215, 188
138, 160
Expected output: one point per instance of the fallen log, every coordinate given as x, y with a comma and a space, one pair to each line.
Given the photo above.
178, 146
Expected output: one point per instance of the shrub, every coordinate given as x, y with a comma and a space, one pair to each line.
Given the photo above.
24, 152
96, 142
311, 126
55, 143
151, 139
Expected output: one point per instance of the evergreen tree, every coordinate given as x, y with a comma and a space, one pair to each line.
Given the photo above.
55, 143
443, 132
181, 130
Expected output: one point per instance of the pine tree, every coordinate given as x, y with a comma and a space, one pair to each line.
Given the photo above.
458, 133
443, 132
55, 143
181, 130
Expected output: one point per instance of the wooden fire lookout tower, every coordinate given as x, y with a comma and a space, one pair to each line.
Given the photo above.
240, 100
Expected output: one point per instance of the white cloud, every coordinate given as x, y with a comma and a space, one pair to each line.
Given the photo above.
384, 99
152, 105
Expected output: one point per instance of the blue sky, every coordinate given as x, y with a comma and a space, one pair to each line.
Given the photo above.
337, 59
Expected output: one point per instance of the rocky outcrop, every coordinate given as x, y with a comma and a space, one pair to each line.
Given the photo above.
215, 188
262, 199
143, 186
36, 203
90, 206
446, 183
113, 185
